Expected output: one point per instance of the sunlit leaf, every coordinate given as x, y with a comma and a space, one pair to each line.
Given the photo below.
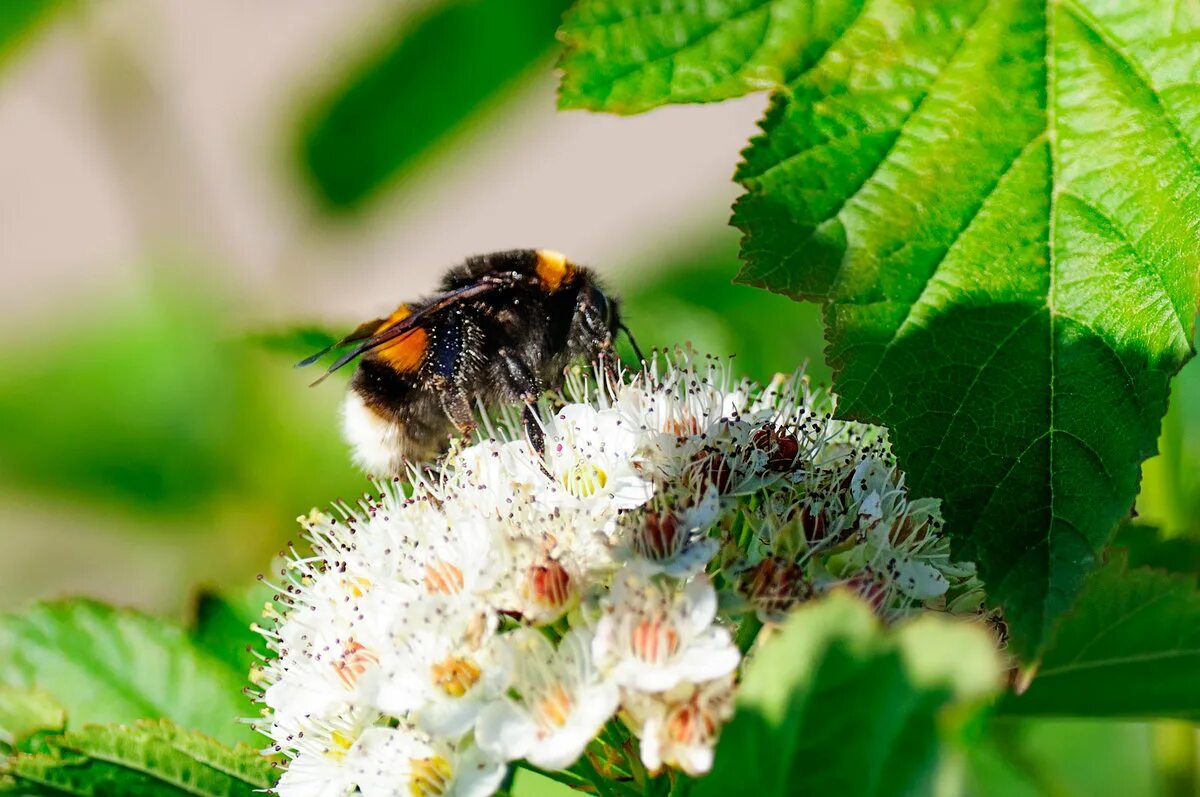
999, 203
149, 758
26, 714
109, 665
625, 57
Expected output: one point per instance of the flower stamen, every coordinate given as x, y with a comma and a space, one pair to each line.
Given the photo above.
455, 676
430, 776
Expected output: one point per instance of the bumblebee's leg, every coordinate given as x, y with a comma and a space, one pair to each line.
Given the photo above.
446, 366
523, 382
457, 404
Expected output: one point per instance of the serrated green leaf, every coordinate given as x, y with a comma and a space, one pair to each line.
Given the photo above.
1014, 320
145, 759
424, 82
1129, 648
999, 203
108, 665
626, 56
835, 704
26, 715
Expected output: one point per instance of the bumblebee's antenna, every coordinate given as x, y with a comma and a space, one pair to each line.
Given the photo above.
307, 361
637, 351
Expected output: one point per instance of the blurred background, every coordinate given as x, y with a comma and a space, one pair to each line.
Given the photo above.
194, 195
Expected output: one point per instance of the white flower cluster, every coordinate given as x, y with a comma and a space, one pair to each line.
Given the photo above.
587, 609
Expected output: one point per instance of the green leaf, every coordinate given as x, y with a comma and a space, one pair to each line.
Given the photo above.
999, 203
626, 56
26, 715
426, 80
223, 626
109, 665
835, 704
1146, 546
149, 758
527, 783
1129, 648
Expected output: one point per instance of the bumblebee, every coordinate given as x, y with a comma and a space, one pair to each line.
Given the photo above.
501, 331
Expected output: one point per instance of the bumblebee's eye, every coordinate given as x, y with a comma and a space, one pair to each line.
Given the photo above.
604, 308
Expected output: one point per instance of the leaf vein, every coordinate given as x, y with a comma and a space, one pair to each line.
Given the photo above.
1148, 266
1134, 68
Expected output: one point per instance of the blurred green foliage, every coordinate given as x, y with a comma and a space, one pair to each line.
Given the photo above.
416, 89
19, 19
1147, 546
1170, 494
155, 407
690, 297
1062, 758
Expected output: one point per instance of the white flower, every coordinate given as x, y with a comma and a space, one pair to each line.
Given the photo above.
561, 702
679, 728
592, 462
875, 491
440, 667
490, 476
322, 765
453, 555
413, 647
900, 537
671, 540
405, 762
657, 632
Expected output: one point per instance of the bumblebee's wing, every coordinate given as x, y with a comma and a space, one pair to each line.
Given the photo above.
436, 305
363, 330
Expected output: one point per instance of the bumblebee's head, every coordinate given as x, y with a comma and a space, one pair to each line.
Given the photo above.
606, 310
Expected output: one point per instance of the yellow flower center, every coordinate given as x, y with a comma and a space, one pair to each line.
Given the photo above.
583, 479
342, 742
455, 676
430, 776
356, 586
